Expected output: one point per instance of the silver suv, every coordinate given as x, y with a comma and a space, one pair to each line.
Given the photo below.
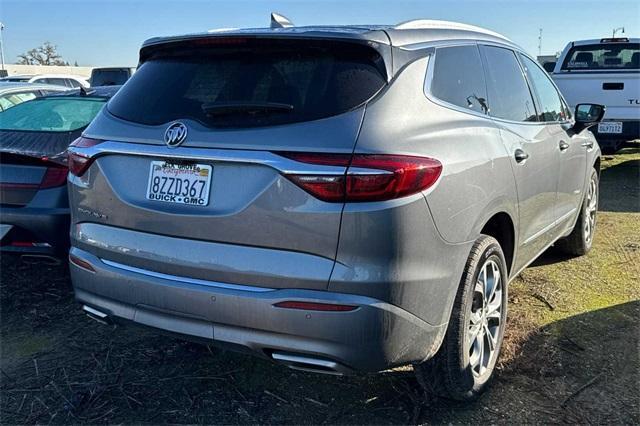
336, 199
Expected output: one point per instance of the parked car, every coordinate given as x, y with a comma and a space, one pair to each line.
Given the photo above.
115, 76
605, 71
70, 81
336, 199
34, 135
12, 94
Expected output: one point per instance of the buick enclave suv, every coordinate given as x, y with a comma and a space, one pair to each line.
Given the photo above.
336, 199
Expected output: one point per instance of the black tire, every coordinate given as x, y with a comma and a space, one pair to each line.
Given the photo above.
577, 243
449, 373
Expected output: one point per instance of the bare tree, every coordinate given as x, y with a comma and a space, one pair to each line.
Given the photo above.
46, 54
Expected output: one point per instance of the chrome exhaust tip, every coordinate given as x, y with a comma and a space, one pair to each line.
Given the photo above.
36, 259
308, 363
97, 315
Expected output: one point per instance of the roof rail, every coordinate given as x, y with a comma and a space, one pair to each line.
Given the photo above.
425, 24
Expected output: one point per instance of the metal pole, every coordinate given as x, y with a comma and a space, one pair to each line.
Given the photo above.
1, 45
540, 42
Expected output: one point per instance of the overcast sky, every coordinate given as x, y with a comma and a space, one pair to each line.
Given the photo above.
109, 32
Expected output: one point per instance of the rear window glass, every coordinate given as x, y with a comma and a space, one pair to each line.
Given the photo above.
611, 56
251, 83
458, 78
51, 114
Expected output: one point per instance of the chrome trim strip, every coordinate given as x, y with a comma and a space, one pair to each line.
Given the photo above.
266, 158
550, 226
185, 279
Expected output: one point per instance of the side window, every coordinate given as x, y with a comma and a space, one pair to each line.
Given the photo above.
458, 78
73, 83
508, 93
553, 109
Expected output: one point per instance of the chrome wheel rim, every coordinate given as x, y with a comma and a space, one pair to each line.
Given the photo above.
590, 211
485, 320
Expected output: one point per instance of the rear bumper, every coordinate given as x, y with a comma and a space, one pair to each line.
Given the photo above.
46, 225
630, 131
373, 337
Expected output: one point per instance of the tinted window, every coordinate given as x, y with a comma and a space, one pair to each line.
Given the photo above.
611, 56
109, 77
551, 105
51, 114
458, 78
56, 81
508, 93
250, 82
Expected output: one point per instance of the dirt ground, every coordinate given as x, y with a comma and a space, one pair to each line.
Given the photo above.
571, 354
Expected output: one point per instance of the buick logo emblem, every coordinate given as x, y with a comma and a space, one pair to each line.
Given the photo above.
175, 134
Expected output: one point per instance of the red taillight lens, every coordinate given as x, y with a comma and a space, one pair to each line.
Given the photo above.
77, 162
81, 263
311, 306
53, 177
368, 177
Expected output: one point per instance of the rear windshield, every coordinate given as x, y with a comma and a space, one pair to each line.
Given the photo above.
51, 114
611, 56
250, 82
109, 77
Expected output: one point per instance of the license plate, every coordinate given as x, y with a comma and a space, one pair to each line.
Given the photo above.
610, 127
179, 183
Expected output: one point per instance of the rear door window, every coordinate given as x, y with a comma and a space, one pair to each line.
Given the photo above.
509, 97
250, 82
458, 78
551, 106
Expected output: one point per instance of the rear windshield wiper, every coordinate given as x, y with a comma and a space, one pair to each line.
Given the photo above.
223, 108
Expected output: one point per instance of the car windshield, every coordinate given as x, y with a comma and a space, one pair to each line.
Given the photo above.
307, 79
62, 114
610, 56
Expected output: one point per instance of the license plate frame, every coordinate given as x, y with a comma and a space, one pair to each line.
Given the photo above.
610, 127
179, 183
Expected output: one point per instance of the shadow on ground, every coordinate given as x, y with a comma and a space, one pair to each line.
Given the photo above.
60, 367
620, 183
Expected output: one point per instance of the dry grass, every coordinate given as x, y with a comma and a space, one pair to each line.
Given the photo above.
570, 354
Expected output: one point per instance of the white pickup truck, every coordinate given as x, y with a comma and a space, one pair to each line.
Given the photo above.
607, 72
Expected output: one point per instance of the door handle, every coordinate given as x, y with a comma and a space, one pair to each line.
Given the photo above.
520, 155
563, 146
588, 144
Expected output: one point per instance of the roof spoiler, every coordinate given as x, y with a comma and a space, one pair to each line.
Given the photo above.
280, 21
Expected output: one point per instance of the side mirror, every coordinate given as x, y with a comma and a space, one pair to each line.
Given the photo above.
549, 66
587, 115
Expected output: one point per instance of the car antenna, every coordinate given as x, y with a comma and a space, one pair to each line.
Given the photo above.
280, 21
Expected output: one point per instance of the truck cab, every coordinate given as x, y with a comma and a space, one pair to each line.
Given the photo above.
604, 71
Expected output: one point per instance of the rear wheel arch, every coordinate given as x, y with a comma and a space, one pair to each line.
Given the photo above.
501, 227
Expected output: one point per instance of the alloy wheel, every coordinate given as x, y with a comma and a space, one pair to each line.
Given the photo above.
590, 210
485, 320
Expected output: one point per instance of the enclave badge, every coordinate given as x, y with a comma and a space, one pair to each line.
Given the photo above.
175, 134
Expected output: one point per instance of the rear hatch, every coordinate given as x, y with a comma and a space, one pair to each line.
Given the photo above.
233, 108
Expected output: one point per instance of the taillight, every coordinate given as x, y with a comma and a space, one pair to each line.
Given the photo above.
312, 306
54, 176
368, 177
79, 163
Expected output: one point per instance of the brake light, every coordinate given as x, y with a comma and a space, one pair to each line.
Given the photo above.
368, 177
312, 306
79, 163
53, 177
